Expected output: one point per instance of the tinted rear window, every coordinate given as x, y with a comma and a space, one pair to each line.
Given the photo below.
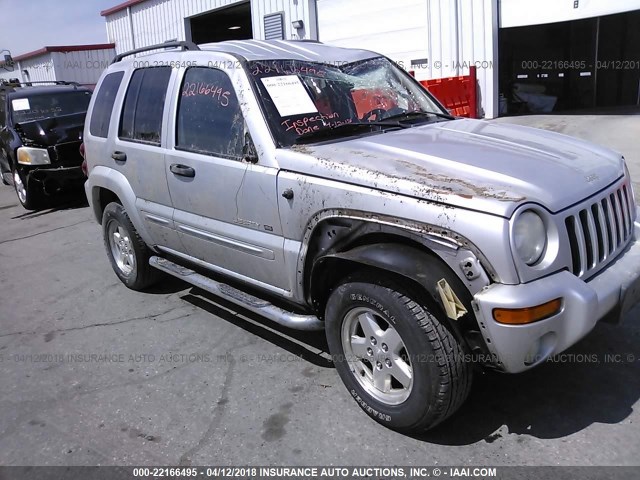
38, 107
103, 106
143, 105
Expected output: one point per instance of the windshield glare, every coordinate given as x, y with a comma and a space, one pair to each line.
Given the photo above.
300, 98
39, 107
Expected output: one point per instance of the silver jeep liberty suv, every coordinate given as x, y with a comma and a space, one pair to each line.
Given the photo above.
324, 188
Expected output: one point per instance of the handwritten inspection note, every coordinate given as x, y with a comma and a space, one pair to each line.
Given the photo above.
289, 95
191, 89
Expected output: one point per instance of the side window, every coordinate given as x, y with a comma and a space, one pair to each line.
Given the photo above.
209, 117
103, 106
143, 105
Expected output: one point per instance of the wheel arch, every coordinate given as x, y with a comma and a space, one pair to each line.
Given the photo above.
106, 185
416, 258
417, 269
333, 232
101, 198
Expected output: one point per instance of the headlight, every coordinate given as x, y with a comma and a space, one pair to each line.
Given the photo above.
33, 156
529, 237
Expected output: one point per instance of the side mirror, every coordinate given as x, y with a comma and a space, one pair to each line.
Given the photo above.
249, 153
8, 63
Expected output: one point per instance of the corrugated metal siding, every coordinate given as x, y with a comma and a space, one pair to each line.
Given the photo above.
83, 67
463, 33
79, 66
450, 34
119, 31
156, 21
445, 36
293, 10
5, 75
41, 68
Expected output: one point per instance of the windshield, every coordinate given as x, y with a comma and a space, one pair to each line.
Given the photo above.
305, 99
39, 107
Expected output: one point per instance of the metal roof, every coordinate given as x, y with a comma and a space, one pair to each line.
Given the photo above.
65, 49
288, 50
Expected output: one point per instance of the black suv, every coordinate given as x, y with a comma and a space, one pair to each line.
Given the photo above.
40, 137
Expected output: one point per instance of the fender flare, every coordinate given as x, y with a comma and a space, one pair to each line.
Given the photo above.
116, 182
413, 264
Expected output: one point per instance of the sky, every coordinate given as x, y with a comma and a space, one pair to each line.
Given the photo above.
27, 25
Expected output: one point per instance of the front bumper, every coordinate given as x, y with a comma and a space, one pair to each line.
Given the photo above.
52, 179
608, 296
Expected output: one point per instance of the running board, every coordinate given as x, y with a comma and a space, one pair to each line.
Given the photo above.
255, 304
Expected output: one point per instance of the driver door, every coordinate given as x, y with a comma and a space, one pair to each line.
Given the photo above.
226, 209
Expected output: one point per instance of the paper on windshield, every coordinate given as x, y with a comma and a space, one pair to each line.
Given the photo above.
289, 95
20, 104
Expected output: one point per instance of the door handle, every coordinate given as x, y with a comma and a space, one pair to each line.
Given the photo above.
182, 170
119, 156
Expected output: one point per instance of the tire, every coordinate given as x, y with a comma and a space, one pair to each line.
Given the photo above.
420, 378
31, 197
127, 252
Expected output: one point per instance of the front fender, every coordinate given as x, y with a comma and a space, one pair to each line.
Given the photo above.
411, 263
420, 268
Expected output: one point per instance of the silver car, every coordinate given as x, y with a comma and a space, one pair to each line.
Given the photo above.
324, 188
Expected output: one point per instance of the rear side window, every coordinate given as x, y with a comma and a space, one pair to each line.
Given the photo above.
209, 117
103, 106
143, 105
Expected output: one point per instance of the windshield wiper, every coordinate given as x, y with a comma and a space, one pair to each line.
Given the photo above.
345, 129
418, 113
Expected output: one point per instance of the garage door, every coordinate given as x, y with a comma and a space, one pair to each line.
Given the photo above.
592, 62
519, 13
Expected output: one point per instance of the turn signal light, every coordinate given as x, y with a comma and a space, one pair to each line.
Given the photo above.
522, 316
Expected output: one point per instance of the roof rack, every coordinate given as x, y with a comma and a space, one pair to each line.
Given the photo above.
12, 84
182, 45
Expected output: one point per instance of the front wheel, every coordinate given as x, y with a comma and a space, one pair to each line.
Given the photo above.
398, 361
127, 252
29, 196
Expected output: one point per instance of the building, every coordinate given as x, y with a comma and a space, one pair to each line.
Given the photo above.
571, 53
72, 63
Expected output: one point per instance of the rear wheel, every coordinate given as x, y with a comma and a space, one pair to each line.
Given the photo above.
398, 361
29, 196
127, 252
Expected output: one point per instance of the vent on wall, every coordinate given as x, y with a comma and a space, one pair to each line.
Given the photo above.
274, 27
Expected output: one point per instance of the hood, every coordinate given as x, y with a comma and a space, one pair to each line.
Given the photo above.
51, 131
473, 164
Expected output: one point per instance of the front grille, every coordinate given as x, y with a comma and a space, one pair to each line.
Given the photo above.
600, 231
66, 154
